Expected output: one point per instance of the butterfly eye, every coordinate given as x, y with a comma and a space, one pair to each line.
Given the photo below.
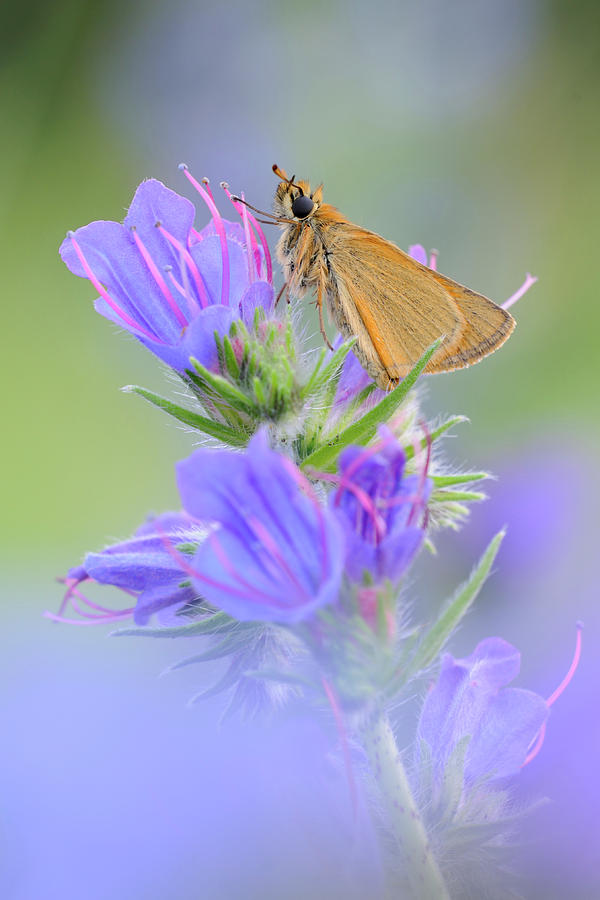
302, 207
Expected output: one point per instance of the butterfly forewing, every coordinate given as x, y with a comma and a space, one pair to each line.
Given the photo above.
403, 307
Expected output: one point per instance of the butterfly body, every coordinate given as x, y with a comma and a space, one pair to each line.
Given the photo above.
394, 306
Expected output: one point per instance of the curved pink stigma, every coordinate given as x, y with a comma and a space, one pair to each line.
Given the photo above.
261, 235
157, 275
529, 281
219, 227
187, 256
414, 511
104, 293
538, 741
74, 596
344, 743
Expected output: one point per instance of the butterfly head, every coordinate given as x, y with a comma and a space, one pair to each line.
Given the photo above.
294, 199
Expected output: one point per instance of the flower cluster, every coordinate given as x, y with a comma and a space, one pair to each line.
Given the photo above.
299, 522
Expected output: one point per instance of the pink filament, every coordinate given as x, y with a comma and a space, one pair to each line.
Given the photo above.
536, 746
261, 235
305, 485
105, 295
160, 281
249, 244
433, 257
342, 731
270, 544
204, 301
529, 280
220, 229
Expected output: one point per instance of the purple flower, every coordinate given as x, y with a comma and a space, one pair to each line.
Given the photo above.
144, 567
470, 699
275, 554
168, 284
381, 510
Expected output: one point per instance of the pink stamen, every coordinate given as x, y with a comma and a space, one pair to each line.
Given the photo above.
363, 498
106, 296
250, 589
270, 544
416, 506
160, 281
194, 573
536, 746
256, 226
175, 283
249, 247
529, 281
198, 281
342, 732
433, 258
305, 485
219, 227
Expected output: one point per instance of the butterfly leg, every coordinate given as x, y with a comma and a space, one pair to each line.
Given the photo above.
284, 287
321, 320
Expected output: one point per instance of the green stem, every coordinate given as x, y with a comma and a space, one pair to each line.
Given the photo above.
418, 865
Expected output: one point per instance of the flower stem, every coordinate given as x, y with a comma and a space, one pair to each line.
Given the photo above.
419, 868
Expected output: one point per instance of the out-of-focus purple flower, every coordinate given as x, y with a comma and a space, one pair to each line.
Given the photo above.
168, 284
382, 511
143, 567
470, 699
353, 379
276, 554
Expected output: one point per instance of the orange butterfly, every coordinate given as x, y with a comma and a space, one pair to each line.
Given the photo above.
394, 306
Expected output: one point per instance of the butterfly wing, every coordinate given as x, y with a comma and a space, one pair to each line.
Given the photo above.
397, 308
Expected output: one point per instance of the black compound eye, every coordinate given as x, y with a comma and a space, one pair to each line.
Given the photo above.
302, 207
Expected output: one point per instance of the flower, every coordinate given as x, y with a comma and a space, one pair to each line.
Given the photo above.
274, 553
470, 700
168, 284
143, 567
380, 509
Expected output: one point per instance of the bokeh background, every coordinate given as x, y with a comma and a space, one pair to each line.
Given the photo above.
469, 126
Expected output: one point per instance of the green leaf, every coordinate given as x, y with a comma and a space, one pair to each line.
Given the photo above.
442, 481
364, 429
188, 417
435, 638
216, 384
319, 379
217, 623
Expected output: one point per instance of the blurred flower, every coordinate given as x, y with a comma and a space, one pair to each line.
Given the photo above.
168, 284
470, 701
381, 510
143, 567
276, 555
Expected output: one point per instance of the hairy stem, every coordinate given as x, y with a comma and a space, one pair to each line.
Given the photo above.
416, 861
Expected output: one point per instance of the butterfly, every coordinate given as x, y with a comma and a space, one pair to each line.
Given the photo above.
393, 305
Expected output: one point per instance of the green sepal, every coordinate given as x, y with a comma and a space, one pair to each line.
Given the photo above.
231, 363
450, 617
443, 481
230, 644
213, 384
231, 677
362, 431
320, 377
451, 789
188, 417
218, 623
279, 677
457, 496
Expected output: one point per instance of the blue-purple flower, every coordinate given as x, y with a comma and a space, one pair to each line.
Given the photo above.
274, 553
168, 284
470, 700
382, 510
146, 568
